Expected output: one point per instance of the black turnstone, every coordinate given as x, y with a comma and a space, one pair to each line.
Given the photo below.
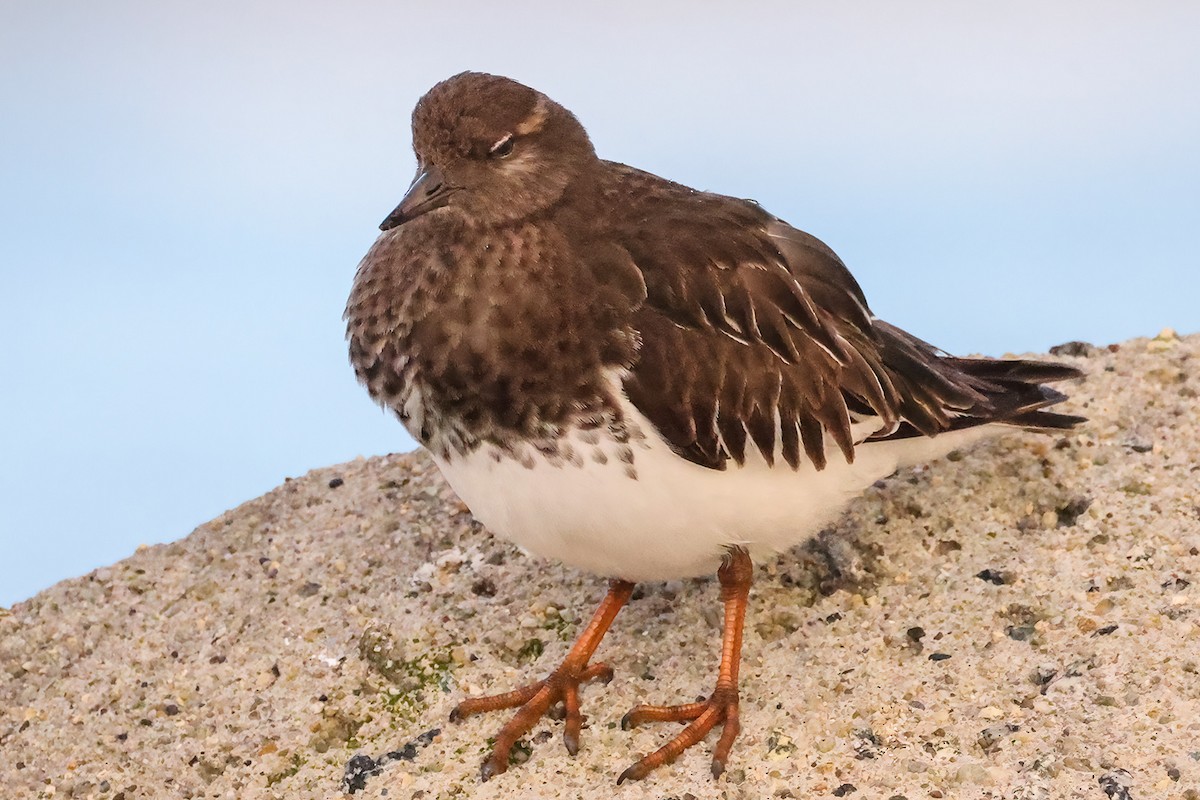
640, 379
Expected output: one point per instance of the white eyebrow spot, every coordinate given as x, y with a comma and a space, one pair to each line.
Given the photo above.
503, 140
537, 117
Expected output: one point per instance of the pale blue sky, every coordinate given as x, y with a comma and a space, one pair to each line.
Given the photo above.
185, 190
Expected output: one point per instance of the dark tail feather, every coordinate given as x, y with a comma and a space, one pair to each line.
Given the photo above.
1009, 392
1024, 371
1020, 392
1046, 421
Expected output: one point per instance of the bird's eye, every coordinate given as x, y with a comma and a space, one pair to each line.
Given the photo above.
502, 148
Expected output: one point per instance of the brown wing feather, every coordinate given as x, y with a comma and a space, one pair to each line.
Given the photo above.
727, 315
755, 332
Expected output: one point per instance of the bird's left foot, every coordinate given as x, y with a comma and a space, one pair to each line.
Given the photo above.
721, 707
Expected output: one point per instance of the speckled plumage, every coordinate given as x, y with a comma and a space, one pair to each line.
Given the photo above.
497, 318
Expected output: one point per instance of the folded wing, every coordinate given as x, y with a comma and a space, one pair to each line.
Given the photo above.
754, 334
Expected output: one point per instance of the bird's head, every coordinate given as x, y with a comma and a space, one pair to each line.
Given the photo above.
492, 149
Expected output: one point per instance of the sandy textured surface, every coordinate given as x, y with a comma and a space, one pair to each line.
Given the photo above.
1018, 621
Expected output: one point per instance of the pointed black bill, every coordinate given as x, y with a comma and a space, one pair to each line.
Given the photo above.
428, 191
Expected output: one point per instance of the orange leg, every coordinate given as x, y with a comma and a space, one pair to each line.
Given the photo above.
721, 706
562, 685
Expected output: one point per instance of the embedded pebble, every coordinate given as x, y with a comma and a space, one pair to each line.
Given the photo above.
972, 773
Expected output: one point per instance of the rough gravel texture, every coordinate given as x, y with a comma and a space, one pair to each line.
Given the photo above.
1017, 621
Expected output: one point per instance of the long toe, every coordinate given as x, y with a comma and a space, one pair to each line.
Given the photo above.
495, 702
640, 714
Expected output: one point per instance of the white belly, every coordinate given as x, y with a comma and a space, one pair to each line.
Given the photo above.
674, 519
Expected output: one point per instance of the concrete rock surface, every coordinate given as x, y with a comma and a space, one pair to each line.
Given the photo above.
1021, 620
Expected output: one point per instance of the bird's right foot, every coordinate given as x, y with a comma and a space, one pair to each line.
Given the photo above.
561, 686
532, 703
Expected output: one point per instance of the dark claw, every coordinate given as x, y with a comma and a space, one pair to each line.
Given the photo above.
634, 773
456, 715
718, 767
606, 676
489, 770
627, 724
572, 743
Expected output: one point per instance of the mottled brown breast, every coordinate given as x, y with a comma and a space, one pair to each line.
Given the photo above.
490, 335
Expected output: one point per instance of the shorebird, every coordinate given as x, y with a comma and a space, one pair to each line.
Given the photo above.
640, 379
